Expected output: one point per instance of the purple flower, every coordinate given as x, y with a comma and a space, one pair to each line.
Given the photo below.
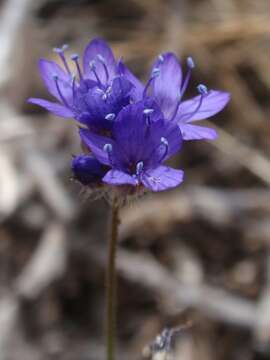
93, 96
141, 142
167, 87
87, 169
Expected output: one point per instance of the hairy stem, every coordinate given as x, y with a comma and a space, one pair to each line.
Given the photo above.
111, 283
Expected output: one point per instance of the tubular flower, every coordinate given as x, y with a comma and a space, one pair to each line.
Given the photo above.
94, 94
141, 142
167, 87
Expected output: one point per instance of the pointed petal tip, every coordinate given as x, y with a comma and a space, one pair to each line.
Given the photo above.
54, 108
30, 100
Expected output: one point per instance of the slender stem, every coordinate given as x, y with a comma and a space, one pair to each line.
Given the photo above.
111, 283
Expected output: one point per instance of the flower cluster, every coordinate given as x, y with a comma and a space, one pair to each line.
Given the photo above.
129, 129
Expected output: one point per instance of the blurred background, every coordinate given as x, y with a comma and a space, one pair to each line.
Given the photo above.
197, 256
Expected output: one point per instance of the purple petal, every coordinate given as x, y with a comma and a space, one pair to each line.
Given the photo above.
47, 71
137, 91
213, 103
170, 133
55, 108
194, 132
129, 131
96, 144
117, 177
139, 141
162, 178
166, 88
94, 48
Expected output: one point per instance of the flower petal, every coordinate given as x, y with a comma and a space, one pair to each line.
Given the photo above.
55, 108
167, 140
137, 90
117, 177
194, 132
213, 103
129, 131
94, 48
166, 88
47, 71
139, 141
96, 144
162, 178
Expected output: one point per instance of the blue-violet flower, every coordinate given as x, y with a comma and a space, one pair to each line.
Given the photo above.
94, 94
167, 87
141, 142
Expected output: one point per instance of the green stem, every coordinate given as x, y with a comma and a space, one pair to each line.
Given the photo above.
111, 283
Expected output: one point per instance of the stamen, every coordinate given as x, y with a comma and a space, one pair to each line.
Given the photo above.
190, 65
165, 143
103, 61
147, 113
161, 58
61, 53
110, 117
56, 80
109, 90
101, 58
155, 73
139, 168
73, 84
107, 148
190, 62
99, 91
203, 90
92, 65
75, 58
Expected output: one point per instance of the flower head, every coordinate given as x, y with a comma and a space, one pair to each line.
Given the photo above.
130, 129
167, 86
141, 142
93, 94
